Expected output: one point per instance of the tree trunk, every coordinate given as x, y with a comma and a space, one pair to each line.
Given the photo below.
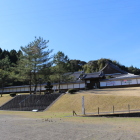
59, 84
2, 89
30, 87
30, 84
35, 88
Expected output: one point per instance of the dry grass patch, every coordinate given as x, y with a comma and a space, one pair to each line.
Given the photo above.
67, 117
105, 102
5, 98
129, 91
37, 115
67, 103
105, 99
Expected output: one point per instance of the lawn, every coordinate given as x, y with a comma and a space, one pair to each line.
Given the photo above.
105, 99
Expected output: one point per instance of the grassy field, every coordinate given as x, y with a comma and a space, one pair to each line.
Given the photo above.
105, 99
5, 98
102, 98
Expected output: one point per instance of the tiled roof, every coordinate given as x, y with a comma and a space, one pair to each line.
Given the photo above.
93, 75
124, 76
111, 68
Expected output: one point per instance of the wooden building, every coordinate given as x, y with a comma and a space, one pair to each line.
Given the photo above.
92, 80
110, 76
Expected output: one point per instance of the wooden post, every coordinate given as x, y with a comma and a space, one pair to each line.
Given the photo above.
83, 106
98, 110
113, 109
128, 108
74, 113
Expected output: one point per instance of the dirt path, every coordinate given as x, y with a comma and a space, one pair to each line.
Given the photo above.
20, 128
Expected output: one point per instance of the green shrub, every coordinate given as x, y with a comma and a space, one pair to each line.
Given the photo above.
12, 94
48, 92
72, 91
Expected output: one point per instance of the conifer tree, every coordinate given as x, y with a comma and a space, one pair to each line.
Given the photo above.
34, 58
60, 68
5, 72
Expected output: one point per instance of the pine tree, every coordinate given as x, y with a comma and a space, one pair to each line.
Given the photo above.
34, 58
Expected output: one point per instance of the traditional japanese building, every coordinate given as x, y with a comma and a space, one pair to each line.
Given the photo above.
110, 76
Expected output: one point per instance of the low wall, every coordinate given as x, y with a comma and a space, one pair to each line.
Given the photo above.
26, 88
120, 83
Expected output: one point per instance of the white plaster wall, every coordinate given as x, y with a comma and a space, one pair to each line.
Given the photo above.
70, 86
122, 82
5, 90
10, 89
54, 87
134, 81
26, 88
38, 88
82, 85
110, 83
61, 86
32, 88
65, 86
43, 87
117, 83
22, 89
138, 81
18, 89
125, 83
13, 89
76, 85
102, 84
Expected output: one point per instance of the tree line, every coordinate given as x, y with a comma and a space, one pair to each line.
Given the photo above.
97, 65
35, 63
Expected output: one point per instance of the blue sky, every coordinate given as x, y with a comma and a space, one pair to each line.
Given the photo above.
82, 29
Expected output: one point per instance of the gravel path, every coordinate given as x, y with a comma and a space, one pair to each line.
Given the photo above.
19, 128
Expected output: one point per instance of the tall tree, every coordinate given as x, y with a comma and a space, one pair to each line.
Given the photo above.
60, 68
91, 67
76, 65
5, 73
5, 54
13, 56
34, 58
